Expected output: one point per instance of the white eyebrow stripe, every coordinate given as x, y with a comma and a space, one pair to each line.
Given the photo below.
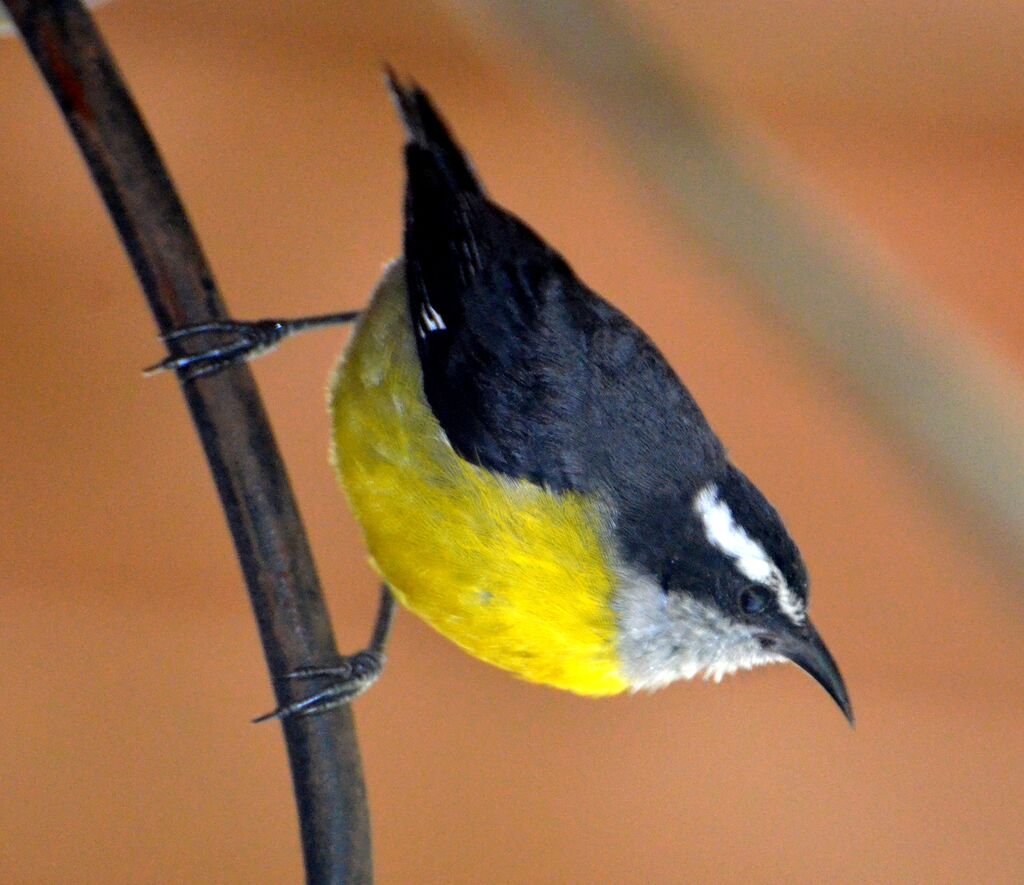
749, 557
722, 530
791, 605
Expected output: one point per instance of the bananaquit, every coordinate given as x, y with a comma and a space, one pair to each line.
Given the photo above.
532, 478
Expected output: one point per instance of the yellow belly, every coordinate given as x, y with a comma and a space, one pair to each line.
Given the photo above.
512, 573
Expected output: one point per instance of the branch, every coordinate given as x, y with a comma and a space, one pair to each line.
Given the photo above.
229, 417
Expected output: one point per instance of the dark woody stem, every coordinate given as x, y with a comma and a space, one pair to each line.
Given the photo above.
229, 417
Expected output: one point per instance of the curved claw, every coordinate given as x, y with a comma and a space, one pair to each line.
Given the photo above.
363, 664
351, 678
223, 326
317, 703
252, 339
205, 361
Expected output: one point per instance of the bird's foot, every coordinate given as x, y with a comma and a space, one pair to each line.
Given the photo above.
348, 679
241, 341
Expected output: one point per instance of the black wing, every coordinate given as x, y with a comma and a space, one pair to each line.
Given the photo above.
529, 373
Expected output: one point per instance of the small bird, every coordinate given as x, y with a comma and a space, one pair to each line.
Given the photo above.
531, 476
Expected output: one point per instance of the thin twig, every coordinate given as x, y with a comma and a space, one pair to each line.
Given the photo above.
229, 417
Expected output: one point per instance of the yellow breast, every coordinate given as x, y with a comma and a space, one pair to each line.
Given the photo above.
514, 574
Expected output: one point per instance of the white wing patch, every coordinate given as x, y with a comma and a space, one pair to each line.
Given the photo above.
748, 555
430, 320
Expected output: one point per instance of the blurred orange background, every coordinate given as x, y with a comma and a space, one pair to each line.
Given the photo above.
131, 663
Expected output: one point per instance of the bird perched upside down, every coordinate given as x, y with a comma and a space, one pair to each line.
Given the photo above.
531, 476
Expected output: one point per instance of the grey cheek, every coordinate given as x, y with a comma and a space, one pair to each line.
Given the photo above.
664, 637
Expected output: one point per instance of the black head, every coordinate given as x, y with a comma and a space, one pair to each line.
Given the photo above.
760, 579
734, 589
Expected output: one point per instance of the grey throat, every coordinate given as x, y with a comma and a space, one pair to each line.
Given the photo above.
668, 636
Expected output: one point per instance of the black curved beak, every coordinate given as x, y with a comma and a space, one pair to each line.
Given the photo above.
803, 646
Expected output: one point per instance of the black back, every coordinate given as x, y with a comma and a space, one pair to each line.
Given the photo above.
529, 373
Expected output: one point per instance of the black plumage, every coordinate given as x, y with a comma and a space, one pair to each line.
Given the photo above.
533, 375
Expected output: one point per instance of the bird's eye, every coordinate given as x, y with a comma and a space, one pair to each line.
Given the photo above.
753, 600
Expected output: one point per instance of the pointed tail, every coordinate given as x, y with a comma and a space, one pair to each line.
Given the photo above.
429, 138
